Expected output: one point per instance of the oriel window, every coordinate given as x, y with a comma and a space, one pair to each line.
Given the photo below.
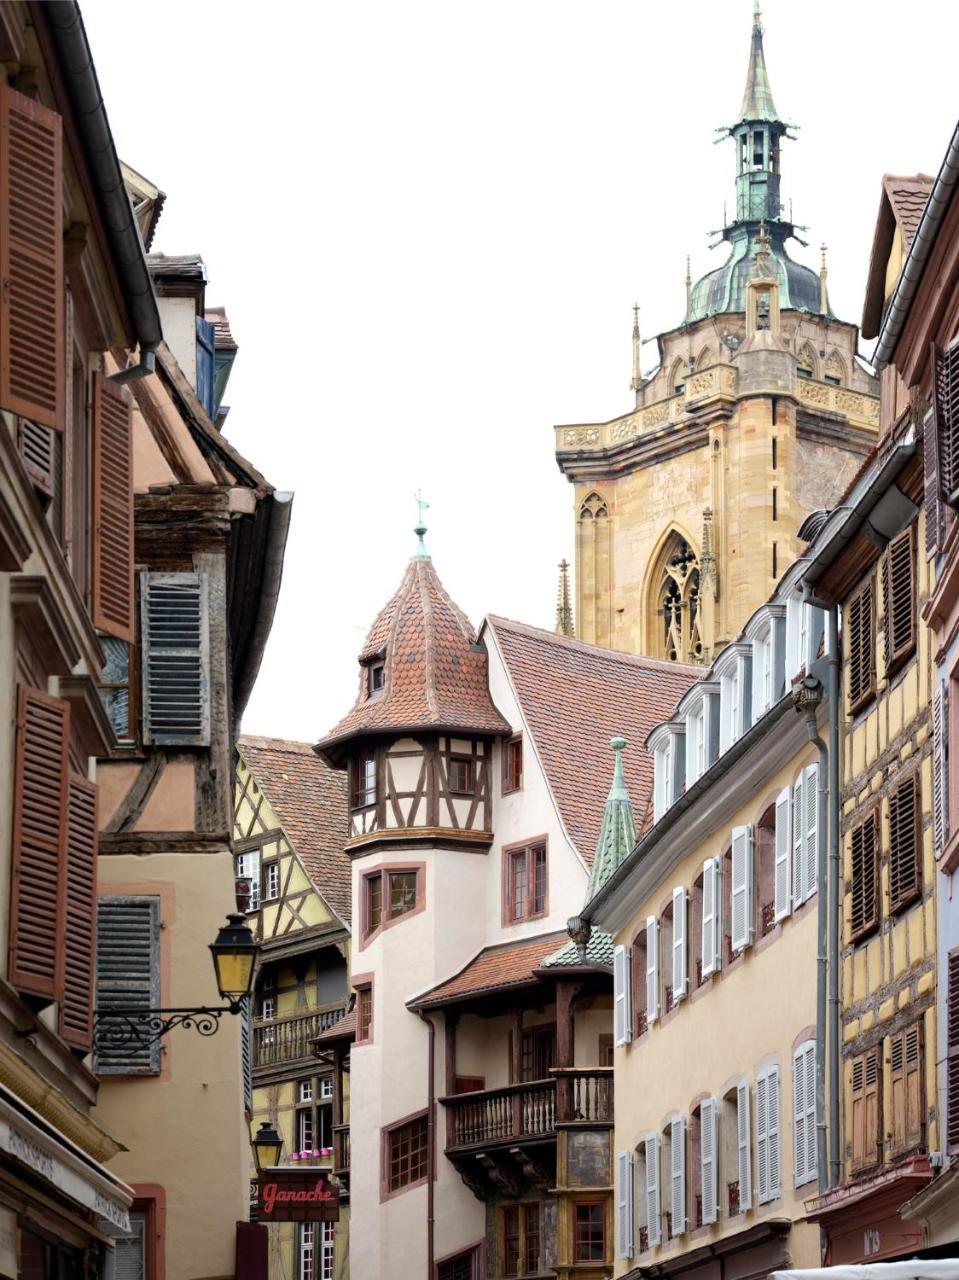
390, 894
462, 776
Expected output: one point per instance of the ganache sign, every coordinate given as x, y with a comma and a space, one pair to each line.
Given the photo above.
297, 1195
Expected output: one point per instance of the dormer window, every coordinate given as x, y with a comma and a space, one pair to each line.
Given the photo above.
700, 708
668, 745
765, 634
376, 677
734, 669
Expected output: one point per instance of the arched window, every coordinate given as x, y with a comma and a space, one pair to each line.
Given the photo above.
677, 602
704, 359
593, 508
835, 370
677, 377
806, 362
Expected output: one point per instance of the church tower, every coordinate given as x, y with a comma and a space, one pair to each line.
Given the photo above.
758, 412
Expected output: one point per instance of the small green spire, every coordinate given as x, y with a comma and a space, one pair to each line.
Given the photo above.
420, 530
758, 98
617, 836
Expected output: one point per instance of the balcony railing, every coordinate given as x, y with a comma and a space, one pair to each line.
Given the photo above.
584, 1095
341, 1149
277, 1041
575, 1095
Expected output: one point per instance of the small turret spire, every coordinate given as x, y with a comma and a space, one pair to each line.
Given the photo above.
420, 530
564, 608
758, 96
637, 379
689, 285
617, 836
823, 274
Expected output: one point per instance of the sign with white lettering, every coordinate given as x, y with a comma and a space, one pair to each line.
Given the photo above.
297, 1195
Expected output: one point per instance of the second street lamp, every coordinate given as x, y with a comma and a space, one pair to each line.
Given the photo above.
266, 1147
234, 959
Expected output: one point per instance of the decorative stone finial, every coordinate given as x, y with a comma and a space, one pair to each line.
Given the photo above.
564, 607
420, 530
689, 287
637, 379
823, 273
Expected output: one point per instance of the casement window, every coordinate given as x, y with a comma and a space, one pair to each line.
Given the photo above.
653, 1199
364, 780
271, 881
464, 1266
127, 977
376, 678
804, 1113
669, 767
783, 855
680, 962
306, 1250
905, 865
766, 634
327, 1249
248, 868
389, 894
589, 1230
942, 449
940, 766
364, 1013
768, 1161
735, 694
905, 1119
867, 1109
462, 775
305, 1091
662, 781
860, 628
117, 692
520, 1239
712, 925
624, 1204
31, 243
652, 969
526, 882
864, 859
326, 1087
744, 1150
675, 1160
899, 597
175, 650
112, 576
304, 1130
406, 1150
742, 887
805, 843
538, 1053
952, 1052
622, 995
512, 765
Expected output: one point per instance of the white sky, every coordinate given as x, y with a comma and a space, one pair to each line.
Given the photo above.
429, 219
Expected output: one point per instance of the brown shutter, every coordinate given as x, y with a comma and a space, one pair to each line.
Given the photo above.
866, 1079
943, 449
905, 1054
952, 1064
39, 835
899, 596
31, 261
904, 867
112, 509
38, 453
80, 927
865, 879
861, 633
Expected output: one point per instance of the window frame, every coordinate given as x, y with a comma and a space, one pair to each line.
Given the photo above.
508, 786
383, 875
591, 1202
474, 1254
376, 677
365, 1028
456, 760
415, 1155
511, 854
360, 798
269, 871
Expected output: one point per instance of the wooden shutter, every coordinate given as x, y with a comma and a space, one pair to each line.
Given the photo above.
742, 887
810, 829
112, 509
654, 1215
680, 967
37, 446
861, 639
128, 977
864, 914
80, 925
952, 1052
905, 1055
904, 849
866, 1109
712, 915
652, 970
38, 884
708, 1159
798, 832
744, 1146
943, 449
176, 659
677, 1165
804, 1113
32, 333
783, 862
624, 1204
205, 360
940, 766
621, 995
899, 599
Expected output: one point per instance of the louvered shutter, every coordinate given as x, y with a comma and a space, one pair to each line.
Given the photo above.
860, 633
80, 926
864, 911
804, 1113
940, 766
652, 970
205, 360
952, 1051
129, 1250
246, 1053
176, 659
810, 829
680, 967
941, 453
128, 977
112, 509
783, 867
742, 887
774, 1164
799, 843
654, 1215
812, 1161
38, 884
710, 951
762, 1138
621, 995
708, 1152
900, 605
677, 1163
904, 853
37, 446
744, 1146
624, 1204
31, 261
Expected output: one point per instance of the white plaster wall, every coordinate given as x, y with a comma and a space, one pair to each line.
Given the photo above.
178, 319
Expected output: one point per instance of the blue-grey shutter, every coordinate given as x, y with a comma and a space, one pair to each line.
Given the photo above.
205, 364
128, 977
127, 1259
175, 646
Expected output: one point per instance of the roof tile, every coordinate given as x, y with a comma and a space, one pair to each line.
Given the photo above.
510, 964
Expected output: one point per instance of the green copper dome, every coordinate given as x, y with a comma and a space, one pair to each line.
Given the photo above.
725, 288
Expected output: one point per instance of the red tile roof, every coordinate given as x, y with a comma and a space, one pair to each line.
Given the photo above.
309, 799
510, 964
901, 205
575, 697
908, 198
343, 1029
435, 672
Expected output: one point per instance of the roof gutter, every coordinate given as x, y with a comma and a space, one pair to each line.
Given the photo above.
895, 318
80, 80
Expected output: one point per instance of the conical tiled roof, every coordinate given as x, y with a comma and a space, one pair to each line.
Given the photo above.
758, 96
435, 671
617, 835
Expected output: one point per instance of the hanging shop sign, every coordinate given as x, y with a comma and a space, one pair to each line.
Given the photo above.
297, 1195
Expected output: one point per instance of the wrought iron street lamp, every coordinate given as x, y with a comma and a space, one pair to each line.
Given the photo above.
266, 1147
120, 1027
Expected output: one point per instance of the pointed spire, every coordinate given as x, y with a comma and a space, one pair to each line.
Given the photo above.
758, 96
564, 607
823, 292
420, 530
617, 836
637, 380
689, 285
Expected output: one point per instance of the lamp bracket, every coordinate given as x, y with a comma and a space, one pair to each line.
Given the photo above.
121, 1028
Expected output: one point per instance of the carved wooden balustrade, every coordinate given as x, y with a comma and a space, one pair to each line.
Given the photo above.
584, 1095
277, 1041
531, 1110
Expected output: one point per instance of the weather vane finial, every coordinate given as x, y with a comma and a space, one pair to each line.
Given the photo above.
420, 530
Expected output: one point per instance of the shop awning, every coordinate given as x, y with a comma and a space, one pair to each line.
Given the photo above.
911, 1269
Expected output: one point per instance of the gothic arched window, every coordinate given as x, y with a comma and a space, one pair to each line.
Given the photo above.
593, 508
835, 370
679, 602
806, 362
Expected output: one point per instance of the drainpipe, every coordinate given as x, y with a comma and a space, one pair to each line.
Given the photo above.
832, 693
134, 372
806, 698
430, 1142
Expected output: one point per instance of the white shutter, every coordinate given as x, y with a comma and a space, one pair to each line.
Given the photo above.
804, 1112
762, 1139
783, 854
744, 1146
175, 656
622, 1019
726, 713
710, 912
708, 1149
940, 766
129, 1250
680, 968
799, 831
677, 1163
652, 970
793, 624
654, 1216
624, 1204
669, 757
811, 821
659, 783
772, 1134
742, 887
692, 752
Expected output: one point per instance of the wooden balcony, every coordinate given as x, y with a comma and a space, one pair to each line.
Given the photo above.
341, 1150
285, 1041
531, 1111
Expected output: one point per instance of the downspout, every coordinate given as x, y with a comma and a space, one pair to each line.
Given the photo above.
832, 693
430, 1141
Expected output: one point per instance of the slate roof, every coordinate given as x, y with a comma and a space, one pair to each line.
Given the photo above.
310, 801
599, 952
510, 964
436, 674
574, 698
